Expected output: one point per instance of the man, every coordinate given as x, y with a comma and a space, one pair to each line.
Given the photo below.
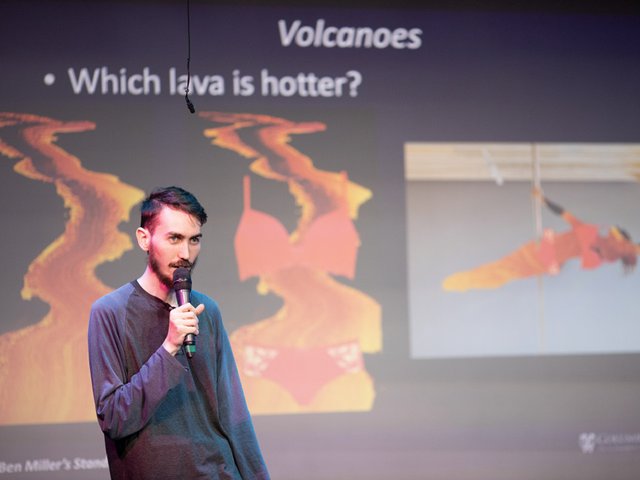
165, 416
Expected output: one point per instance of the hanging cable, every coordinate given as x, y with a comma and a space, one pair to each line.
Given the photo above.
190, 106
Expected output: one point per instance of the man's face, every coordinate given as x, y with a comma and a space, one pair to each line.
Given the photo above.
174, 242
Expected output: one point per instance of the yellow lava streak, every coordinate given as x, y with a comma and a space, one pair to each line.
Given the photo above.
44, 374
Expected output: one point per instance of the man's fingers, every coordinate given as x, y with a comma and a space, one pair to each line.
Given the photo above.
185, 318
187, 307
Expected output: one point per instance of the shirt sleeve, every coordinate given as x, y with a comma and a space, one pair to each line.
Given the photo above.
234, 414
125, 408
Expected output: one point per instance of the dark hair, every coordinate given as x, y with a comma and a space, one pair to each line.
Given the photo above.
173, 197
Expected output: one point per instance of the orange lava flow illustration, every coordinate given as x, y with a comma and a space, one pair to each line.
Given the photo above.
44, 374
307, 356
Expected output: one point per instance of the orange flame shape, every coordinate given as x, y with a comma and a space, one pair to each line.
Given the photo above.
307, 357
44, 374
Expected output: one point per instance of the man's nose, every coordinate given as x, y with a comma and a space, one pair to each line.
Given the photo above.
183, 252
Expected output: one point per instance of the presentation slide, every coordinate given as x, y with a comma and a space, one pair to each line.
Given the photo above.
423, 233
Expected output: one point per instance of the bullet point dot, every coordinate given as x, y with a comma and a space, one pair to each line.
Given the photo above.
49, 79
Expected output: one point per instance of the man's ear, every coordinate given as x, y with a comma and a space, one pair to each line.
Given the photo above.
143, 236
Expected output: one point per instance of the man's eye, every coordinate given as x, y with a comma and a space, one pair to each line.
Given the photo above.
195, 240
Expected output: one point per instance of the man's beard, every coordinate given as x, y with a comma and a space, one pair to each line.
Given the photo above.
164, 279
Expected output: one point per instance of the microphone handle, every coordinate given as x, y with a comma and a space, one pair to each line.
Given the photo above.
182, 297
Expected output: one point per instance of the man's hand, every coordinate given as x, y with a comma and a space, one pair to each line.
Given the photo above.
182, 320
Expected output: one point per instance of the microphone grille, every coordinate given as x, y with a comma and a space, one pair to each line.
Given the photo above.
181, 279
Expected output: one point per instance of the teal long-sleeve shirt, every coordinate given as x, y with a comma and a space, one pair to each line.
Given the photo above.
167, 417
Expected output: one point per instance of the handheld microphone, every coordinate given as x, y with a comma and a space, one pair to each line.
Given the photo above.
182, 287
